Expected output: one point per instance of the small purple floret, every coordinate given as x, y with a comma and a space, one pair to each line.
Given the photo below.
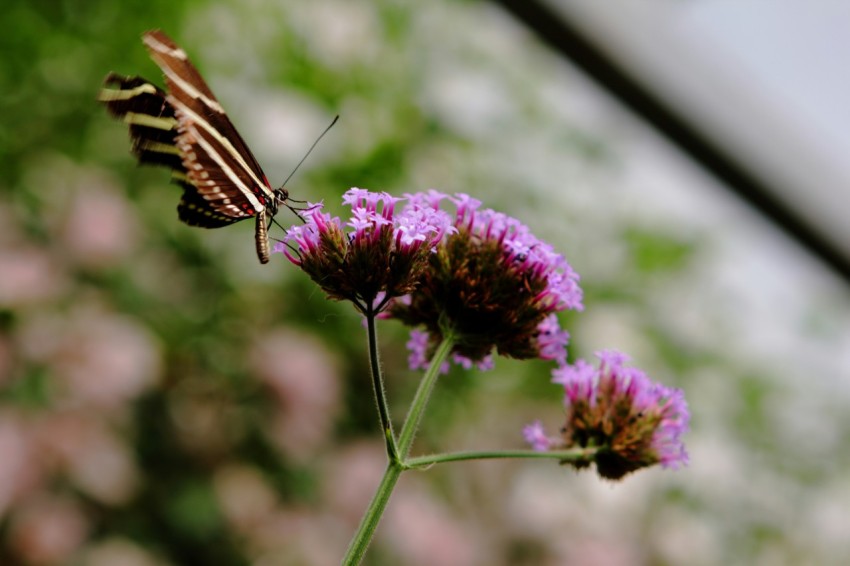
536, 436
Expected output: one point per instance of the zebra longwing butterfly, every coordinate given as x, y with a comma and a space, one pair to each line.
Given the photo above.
187, 130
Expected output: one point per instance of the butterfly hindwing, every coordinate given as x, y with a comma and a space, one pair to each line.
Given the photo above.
150, 119
195, 210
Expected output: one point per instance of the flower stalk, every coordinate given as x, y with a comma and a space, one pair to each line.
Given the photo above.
378, 386
363, 537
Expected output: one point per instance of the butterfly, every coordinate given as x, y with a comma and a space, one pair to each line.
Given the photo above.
187, 130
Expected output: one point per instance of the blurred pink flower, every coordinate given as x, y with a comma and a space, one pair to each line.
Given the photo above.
275, 534
304, 378
48, 530
29, 276
245, 498
119, 552
100, 228
351, 475
20, 471
424, 532
92, 456
102, 360
597, 551
298, 536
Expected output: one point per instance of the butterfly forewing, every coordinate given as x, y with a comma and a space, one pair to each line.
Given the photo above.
203, 124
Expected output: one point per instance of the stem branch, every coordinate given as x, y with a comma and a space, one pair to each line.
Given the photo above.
414, 415
562, 455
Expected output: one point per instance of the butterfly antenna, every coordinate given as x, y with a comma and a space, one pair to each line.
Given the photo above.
309, 151
279, 225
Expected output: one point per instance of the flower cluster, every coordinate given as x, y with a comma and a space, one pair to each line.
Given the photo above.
482, 279
493, 285
630, 421
374, 257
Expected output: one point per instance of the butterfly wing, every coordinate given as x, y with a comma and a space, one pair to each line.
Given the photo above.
151, 120
216, 160
153, 132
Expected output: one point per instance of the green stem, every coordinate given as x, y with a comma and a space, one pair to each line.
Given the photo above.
562, 455
378, 387
414, 415
372, 517
370, 520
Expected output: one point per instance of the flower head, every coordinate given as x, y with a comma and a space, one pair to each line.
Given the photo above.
633, 422
375, 256
492, 284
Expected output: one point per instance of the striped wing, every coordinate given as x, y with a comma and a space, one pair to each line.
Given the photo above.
186, 130
151, 120
215, 158
153, 132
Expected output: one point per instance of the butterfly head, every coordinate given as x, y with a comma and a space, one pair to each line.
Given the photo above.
281, 195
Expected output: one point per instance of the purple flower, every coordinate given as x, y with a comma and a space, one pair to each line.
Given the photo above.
418, 346
633, 422
552, 341
492, 284
484, 364
536, 436
579, 381
375, 256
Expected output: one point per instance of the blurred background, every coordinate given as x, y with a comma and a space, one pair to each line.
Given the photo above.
166, 400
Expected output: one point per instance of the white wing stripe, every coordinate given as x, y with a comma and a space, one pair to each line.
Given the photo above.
111, 94
190, 90
160, 47
157, 45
